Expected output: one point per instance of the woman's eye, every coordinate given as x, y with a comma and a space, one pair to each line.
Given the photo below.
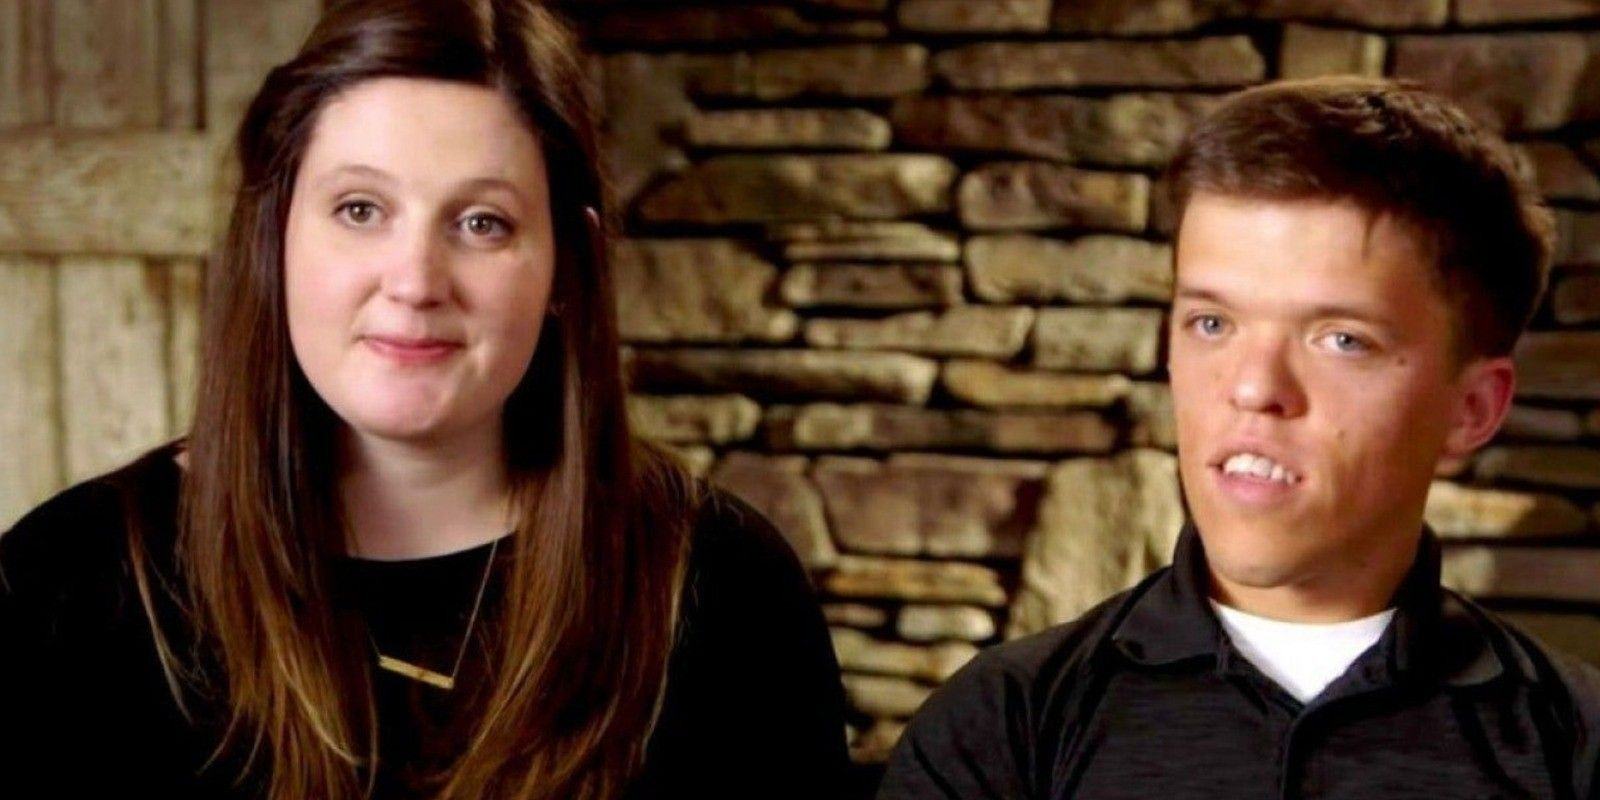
485, 225
358, 212
1208, 325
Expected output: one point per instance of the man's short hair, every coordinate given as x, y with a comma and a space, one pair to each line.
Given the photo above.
1393, 149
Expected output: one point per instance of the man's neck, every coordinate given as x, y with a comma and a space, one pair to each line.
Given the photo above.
1356, 589
407, 500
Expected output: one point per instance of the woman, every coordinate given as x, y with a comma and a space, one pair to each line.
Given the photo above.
409, 547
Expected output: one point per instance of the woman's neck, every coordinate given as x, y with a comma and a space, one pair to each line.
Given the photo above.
406, 500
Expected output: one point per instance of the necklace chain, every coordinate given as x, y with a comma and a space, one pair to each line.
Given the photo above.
428, 676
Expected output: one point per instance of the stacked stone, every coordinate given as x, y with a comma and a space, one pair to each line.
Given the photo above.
895, 274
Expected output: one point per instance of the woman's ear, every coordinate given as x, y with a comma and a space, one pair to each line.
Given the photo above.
1487, 386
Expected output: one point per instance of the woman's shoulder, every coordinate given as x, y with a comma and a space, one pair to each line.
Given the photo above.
79, 536
731, 536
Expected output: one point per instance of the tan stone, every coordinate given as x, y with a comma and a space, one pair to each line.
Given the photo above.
1150, 408
1125, 130
855, 615
1529, 422
872, 286
826, 426
1494, 12
1559, 366
915, 581
1123, 17
998, 332
1575, 634
715, 419
790, 374
760, 188
975, 508
849, 240
1090, 269
873, 745
777, 487
144, 194
113, 364
1458, 511
1367, 13
1546, 573
1098, 339
1104, 524
646, 102
965, 16
986, 383
1577, 238
1525, 81
930, 623
1033, 196
1312, 52
789, 128
861, 652
710, 25
1211, 62
1576, 300
847, 70
29, 400
1559, 173
697, 290
881, 696
24, 65
1551, 465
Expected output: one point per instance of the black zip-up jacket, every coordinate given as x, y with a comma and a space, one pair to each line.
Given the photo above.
1145, 697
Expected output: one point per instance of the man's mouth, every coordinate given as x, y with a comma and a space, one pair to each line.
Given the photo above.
1259, 466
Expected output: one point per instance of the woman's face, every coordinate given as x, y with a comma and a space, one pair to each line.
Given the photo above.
418, 257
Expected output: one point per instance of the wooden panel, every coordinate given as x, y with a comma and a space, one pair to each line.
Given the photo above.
30, 469
112, 194
106, 55
244, 39
24, 63
183, 339
113, 361
180, 64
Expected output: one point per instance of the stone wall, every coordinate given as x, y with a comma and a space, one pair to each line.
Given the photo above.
893, 272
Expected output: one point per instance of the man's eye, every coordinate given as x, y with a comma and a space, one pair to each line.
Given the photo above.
483, 224
1345, 342
358, 212
1208, 325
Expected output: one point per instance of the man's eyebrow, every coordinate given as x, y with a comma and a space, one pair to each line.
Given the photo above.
1318, 311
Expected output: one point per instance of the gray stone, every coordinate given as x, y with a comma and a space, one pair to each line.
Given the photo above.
1090, 269
880, 428
788, 374
1543, 573
1311, 52
696, 290
1104, 525
777, 487
1530, 422
847, 70
849, 240
965, 16
986, 383
872, 286
1559, 366
1454, 510
757, 188
1525, 81
925, 623
791, 128
694, 419
861, 652
1131, 130
1033, 196
1559, 173
1220, 61
1576, 300
1564, 466
1098, 339
912, 580
990, 331
883, 696
976, 508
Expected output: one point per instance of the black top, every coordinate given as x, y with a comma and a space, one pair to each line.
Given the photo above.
753, 691
1145, 697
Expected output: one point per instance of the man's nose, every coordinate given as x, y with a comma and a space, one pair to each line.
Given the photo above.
1264, 379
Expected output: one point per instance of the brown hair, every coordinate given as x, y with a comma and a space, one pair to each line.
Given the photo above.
587, 622
1396, 150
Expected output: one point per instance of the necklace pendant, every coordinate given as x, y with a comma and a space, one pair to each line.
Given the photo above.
416, 673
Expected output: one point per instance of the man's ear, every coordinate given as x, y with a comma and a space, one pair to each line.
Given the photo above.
1486, 388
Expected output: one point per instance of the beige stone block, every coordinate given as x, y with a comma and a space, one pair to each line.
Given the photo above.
1498, 12
1312, 52
1548, 573
880, 428
872, 286
986, 383
1562, 466
853, 240
1561, 365
1090, 269
776, 188
1036, 196
861, 652
845, 70
1218, 61
855, 615
697, 290
1098, 339
936, 623
1456, 510
916, 581
883, 696
690, 419
983, 331
777, 487
1522, 81
29, 401
788, 374
789, 128
966, 16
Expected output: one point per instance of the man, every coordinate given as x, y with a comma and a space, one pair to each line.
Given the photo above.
1354, 262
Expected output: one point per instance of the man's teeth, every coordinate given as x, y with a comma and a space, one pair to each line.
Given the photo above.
1260, 467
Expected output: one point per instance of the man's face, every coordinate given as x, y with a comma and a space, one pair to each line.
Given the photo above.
1316, 389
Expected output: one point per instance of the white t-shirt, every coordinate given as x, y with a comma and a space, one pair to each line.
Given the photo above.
1301, 657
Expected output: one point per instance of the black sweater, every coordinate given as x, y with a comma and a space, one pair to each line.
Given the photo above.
753, 706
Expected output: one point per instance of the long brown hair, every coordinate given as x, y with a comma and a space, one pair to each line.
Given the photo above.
587, 621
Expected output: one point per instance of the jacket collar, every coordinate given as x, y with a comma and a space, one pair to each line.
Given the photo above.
1435, 636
